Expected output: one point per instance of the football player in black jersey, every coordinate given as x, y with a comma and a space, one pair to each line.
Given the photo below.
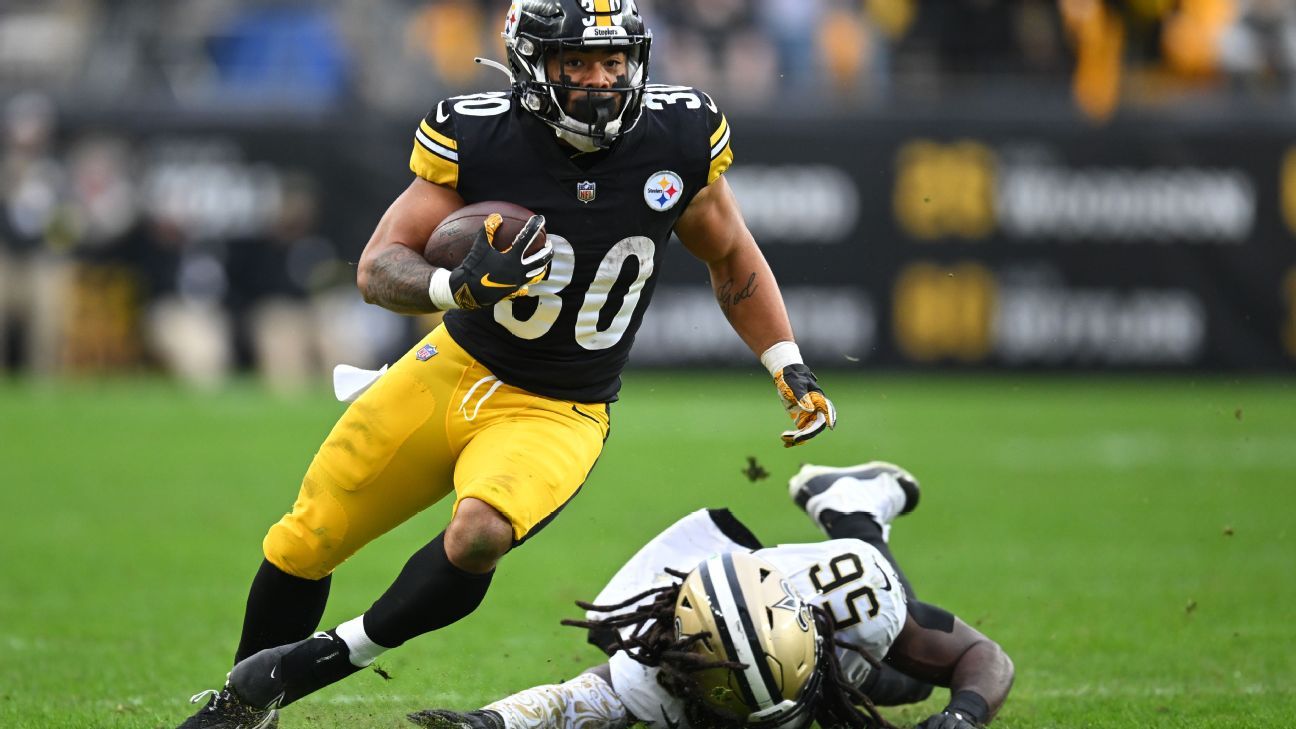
507, 402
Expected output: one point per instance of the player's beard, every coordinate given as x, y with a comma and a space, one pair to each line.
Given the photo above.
594, 108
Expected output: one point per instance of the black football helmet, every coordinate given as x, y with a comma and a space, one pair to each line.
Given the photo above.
536, 30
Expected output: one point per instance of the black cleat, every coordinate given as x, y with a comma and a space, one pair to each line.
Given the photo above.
882, 489
225, 710
446, 719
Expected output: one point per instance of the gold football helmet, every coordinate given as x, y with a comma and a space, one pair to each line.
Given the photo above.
752, 616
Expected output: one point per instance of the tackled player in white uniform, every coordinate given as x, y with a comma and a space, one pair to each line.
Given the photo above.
769, 638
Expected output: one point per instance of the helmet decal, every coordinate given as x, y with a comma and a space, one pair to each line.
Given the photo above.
795, 604
511, 21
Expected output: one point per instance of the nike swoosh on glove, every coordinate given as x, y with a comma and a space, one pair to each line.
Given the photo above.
810, 410
488, 276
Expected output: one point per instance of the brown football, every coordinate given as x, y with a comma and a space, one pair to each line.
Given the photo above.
451, 240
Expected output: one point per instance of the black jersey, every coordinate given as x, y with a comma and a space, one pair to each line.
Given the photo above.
609, 217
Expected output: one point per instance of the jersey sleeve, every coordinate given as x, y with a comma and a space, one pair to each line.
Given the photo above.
645, 698
721, 151
436, 149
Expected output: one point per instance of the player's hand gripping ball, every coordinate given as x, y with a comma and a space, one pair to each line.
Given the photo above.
804, 400
494, 251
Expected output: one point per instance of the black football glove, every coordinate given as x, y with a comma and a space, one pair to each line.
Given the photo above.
804, 401
947, 720
487, 276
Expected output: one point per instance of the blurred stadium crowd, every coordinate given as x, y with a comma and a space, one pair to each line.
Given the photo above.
392, 55
99, 273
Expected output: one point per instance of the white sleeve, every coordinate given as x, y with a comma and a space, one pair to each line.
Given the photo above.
642, 696
585, 702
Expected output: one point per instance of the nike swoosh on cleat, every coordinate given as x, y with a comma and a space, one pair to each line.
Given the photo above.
486, 281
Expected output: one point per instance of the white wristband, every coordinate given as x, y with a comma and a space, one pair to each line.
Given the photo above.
781, 355
439, 290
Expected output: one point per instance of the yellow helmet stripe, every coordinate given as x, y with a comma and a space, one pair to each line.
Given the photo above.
603, 12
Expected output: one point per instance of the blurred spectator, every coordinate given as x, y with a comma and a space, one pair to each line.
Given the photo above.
188, 329
43, 42
272, 279
846, 50
1191, 38
104, 331
35, 269
1259, 48
1097, 33
794, 26
717, 45
284, 54
437, 34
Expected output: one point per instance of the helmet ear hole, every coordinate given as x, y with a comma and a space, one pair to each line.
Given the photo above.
534, 101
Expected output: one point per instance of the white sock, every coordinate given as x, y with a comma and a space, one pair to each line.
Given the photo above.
363, 650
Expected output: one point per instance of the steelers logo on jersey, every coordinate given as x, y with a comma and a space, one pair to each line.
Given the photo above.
662, 190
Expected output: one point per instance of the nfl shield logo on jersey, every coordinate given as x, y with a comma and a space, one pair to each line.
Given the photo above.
663, 190
585, 191
426, 352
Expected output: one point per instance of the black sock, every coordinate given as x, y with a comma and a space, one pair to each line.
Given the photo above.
281, 609
430, 593
316, 663
861, 526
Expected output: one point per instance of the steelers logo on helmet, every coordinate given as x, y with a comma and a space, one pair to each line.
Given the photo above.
543, 37
662, 190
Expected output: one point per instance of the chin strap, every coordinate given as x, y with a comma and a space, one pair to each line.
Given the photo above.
580, 141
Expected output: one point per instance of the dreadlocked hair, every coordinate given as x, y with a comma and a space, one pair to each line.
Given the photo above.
652, 641
841, 703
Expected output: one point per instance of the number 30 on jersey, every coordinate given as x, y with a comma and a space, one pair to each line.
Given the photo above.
549, 300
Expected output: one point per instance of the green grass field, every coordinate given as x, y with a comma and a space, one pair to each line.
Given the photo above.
1130, 542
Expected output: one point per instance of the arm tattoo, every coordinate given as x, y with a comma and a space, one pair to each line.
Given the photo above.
398, 280
729, 298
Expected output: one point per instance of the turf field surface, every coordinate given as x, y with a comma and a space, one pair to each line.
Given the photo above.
1130, 542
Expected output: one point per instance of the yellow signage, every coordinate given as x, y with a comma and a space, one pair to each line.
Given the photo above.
945, 312
945, 190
